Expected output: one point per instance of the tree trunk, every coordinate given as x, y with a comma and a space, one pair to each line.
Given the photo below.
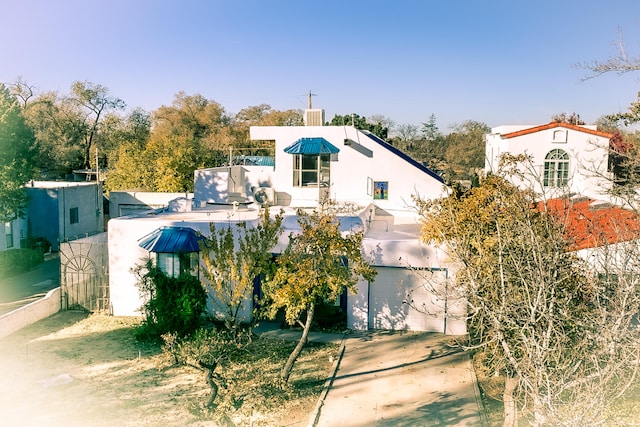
510, 408
209, 369
286, 370
539, 418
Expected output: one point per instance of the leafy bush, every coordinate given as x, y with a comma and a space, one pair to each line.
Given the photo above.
16, 261
329, 318
173, 304
39, 243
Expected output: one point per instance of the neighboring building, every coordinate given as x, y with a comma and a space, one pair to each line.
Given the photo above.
60, 211
565, 158
12, 234
373, 183
127, 202
604, 235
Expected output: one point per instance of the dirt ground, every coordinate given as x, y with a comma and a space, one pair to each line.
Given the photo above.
73, 369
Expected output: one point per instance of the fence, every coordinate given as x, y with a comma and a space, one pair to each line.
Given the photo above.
84, 279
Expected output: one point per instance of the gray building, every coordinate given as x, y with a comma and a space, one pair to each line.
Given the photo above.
62, 211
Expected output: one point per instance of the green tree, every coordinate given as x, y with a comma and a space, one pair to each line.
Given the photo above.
66, 127
93, 102
260, 115
59, 130
430, 129
233, 259
379, 129
125, 153
190, 134
318, 264
16, 157
541, 319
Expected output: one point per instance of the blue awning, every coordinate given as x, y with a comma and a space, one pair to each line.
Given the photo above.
171, 240
312, 146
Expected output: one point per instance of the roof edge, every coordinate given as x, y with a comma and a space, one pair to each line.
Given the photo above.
402, 155
552, 125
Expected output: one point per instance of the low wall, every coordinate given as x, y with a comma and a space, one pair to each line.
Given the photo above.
30, 313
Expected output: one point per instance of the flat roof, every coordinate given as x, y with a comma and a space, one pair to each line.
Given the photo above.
58, 184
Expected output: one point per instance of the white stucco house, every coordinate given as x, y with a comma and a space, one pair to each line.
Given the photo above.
565, 158
12, 234
370, 180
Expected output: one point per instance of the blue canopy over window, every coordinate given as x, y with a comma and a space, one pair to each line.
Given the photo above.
312, 146
171, 240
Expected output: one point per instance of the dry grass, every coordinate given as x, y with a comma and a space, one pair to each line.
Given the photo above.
78, 370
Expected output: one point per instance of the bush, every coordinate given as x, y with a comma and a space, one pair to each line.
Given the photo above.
16, 261
174, 304
329, 318
39, 243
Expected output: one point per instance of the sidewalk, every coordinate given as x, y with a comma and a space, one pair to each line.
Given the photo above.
401, 379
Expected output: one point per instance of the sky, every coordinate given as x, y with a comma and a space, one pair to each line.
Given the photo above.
492, 61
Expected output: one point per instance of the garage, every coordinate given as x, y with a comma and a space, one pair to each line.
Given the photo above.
401, 298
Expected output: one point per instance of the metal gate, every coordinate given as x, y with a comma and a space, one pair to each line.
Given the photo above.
84, 277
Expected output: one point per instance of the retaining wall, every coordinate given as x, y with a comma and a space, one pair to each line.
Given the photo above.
30, 313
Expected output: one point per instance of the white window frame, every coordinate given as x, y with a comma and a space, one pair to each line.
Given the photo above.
556, 169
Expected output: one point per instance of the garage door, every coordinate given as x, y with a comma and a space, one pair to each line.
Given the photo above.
404, 299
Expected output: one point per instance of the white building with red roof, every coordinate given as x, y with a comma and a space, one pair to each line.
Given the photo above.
564, 158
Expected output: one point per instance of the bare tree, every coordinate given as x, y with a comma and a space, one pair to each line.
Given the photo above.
620, 64
555, 328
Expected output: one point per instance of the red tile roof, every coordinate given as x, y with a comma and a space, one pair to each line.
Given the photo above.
555, 125
590, 223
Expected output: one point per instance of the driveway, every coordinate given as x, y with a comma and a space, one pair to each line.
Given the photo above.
402, 379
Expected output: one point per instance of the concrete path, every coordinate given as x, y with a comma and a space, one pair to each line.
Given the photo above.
401, 379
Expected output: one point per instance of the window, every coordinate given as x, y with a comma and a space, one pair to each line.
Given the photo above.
8, 235
380, 190
556, 169
311, 170
560, 135
73, 215
175, 264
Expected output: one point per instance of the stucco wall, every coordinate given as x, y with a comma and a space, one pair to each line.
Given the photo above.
125, 253
49, 210
31, 313
130, 202
359, 162
588, 157
44, 215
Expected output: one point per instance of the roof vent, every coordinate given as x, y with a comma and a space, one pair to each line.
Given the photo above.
313, 117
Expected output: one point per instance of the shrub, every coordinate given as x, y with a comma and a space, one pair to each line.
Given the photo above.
39, 243
174, 304
329, 318
16, 261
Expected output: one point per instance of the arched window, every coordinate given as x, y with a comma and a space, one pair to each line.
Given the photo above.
556, 168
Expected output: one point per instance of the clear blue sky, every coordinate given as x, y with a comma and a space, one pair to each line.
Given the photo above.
497, 62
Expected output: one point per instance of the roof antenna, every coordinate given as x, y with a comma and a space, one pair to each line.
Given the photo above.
309, 95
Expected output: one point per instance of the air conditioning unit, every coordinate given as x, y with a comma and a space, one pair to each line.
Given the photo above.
264, 196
